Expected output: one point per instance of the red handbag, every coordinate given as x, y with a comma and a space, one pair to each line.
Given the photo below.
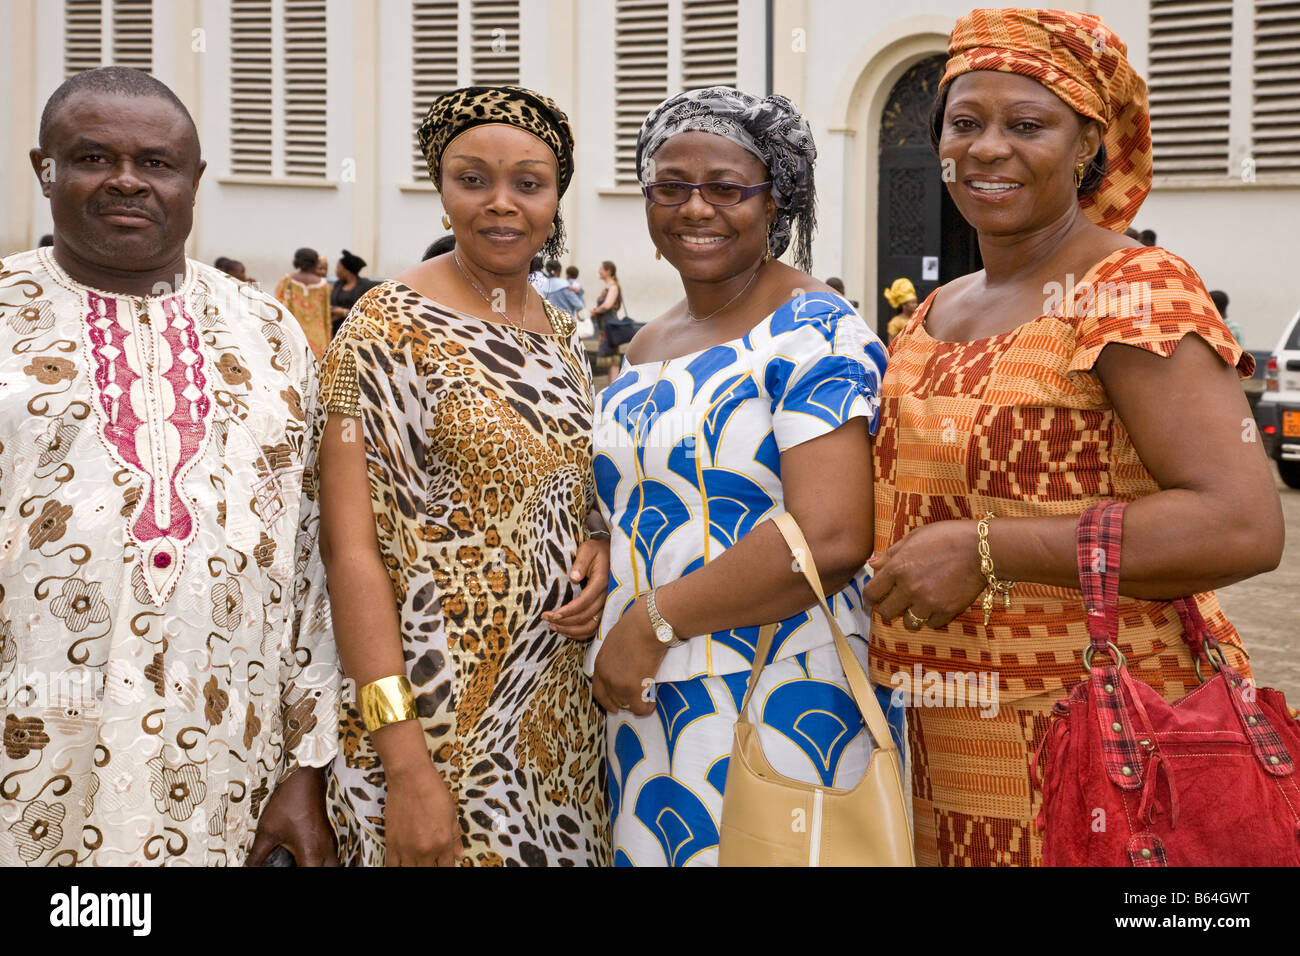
1129, 778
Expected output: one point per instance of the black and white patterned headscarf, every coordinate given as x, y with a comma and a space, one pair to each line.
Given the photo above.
772, 129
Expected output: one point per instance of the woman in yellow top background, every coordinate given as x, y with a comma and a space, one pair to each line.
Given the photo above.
901, 295
307, 296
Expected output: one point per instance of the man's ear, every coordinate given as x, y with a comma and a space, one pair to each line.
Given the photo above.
198, 174
43, 166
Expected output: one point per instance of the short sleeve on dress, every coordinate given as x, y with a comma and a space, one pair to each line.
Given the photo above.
824, 369
1151, 299
340, 389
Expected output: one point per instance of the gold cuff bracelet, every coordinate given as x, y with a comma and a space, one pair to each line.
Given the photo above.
387, 701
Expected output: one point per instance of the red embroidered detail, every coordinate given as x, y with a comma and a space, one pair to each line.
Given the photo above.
140, 368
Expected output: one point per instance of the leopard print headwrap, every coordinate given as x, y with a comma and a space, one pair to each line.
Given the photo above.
772, 129
453, 113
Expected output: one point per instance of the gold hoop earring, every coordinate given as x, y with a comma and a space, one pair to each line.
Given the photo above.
1078, 176
551, 233
446, 221
767, 247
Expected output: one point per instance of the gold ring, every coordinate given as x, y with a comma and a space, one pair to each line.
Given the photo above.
912, 622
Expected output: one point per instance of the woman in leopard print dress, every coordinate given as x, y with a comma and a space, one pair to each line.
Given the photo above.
456, 540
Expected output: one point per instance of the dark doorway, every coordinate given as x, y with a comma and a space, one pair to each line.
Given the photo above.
916, 219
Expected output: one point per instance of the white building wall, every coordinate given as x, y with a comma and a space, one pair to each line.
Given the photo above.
1241, 238
13, 189
47, 40
408, 208
844, 41
1243, 241
262, 224
839, 69
610, 222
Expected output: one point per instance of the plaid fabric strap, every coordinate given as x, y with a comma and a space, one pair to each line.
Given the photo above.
1198, 635
1098, 552
1269, 749
1100, 527
1267, 745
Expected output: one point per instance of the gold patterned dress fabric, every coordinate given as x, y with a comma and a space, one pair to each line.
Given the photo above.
1018, 425
478, 447
310, 305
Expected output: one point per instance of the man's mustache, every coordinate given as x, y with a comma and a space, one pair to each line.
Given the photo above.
127, 207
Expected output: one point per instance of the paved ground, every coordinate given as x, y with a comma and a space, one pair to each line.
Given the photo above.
1266, 610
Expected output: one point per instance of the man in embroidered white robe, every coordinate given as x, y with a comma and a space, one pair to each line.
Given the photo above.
168, 681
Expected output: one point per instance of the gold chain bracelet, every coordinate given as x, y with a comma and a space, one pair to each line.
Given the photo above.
986, 568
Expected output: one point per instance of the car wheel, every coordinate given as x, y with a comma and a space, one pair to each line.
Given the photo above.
1290, 471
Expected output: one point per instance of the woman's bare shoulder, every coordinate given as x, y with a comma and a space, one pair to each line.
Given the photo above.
420, 274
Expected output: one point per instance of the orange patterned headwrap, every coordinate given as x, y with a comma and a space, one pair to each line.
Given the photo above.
1082, 61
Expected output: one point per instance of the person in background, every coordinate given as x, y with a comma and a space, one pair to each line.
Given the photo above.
1148, 237
1221, 303
350, 287
836, 283
571, 276
558, 292
231, 267
554, 277
439, 247
307, 296
608, 302
537, 275
47, 240
459, 529
323, 270
168, 681
901, 295
1133, 234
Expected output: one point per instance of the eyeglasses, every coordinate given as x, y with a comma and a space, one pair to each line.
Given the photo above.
673, 193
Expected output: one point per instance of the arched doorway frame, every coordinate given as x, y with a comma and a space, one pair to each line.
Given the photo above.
856, 114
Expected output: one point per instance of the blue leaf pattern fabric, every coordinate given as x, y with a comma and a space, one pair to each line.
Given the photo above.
688, 462
688, 458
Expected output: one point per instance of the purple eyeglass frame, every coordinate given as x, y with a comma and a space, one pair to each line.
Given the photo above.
745, 191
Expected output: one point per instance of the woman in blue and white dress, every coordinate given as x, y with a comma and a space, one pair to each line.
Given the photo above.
754, 395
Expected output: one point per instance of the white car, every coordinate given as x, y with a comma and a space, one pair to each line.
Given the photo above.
1278, 411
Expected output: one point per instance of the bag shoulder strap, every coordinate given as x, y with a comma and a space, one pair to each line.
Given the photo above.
1098, 551
859, 686
1100, 528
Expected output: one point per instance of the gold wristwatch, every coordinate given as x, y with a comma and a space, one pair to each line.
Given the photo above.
664, 632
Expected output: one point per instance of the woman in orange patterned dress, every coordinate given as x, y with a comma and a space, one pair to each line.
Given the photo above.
1076, 366
307, 296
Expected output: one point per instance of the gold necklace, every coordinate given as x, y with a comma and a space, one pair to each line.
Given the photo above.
690, 313
517, 323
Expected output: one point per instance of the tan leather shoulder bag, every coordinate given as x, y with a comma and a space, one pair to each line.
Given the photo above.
772, 820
